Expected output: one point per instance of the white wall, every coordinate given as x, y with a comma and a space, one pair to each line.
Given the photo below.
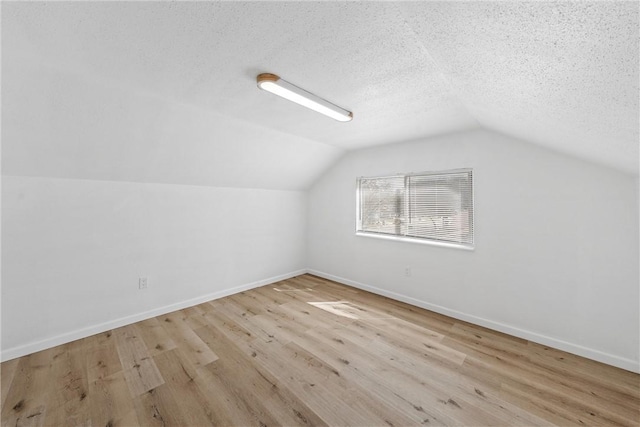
73, 250
556, 258
66, 124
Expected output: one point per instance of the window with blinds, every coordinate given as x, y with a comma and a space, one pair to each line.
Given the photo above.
431, 206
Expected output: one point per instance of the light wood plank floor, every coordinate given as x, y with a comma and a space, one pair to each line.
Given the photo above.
307, 351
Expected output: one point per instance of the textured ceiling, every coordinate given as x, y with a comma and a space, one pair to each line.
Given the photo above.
165, 92
564, 75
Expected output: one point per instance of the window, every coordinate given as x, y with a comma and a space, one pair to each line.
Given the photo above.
434, 207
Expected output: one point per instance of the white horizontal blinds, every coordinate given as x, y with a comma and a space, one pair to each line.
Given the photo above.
382, 202
435, 206
440, 206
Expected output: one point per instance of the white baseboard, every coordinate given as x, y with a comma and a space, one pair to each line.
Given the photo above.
589, 353
12, 353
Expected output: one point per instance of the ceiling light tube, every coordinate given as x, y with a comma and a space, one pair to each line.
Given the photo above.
274, 84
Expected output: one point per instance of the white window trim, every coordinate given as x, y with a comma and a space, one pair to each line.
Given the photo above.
416, 240
422, 241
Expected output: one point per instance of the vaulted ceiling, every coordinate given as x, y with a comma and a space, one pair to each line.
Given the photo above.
165, 91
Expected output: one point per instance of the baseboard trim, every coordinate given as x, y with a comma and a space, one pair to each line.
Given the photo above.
33, 347
589, 353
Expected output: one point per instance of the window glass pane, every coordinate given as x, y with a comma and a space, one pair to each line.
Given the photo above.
382, 205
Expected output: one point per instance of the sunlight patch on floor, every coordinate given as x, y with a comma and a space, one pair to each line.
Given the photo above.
349, 310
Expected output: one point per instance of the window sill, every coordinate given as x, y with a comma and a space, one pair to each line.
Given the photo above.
414, 240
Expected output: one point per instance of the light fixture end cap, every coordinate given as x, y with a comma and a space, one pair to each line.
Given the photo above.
267, 77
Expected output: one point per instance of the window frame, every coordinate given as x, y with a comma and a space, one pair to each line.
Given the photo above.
414, 239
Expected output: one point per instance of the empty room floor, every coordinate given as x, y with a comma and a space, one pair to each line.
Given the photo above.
308, 351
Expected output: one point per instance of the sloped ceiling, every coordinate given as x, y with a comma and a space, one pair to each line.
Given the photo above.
165, 92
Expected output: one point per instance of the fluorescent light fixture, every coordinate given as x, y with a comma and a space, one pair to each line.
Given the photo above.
274, 84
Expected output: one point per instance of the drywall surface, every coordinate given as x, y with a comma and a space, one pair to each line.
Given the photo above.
64, 124
556, 253
73, 251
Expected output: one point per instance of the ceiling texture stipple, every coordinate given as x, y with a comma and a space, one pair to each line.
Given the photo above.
166, 92
564, 75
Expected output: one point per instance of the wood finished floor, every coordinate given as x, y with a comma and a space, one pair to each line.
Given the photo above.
307, 351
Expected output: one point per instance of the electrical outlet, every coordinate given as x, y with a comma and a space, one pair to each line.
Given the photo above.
142, 283
407, 272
